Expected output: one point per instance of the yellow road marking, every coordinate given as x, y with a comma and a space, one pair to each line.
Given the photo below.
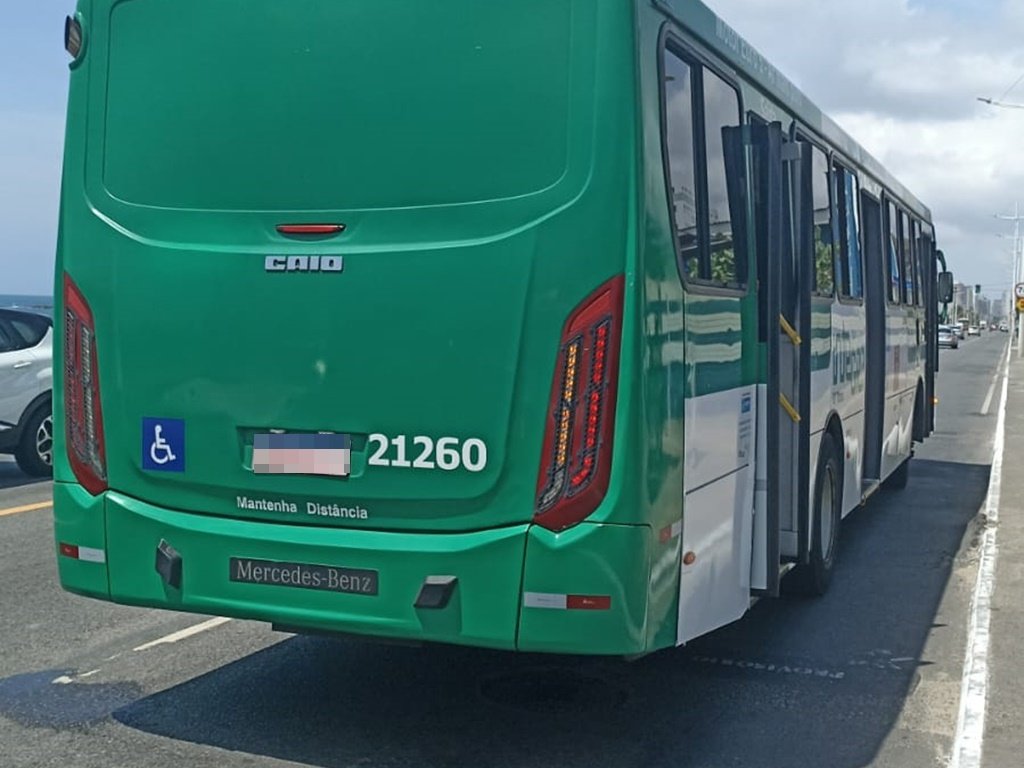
25, 508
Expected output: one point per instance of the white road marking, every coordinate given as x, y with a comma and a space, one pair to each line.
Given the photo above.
970, 726
1000, 371
184, 633
766, 666
68, 679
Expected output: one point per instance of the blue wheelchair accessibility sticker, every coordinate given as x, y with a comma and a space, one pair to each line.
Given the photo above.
163, 444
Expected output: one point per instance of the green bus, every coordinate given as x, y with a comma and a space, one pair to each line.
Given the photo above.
551, 325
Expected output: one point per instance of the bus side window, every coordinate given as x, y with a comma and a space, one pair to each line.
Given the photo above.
851, 271
681, 148
908, 260
707, 173
722, 111
892, 252
920, 254
821, 212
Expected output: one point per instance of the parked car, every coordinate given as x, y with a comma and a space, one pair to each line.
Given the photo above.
958, 329
973, 330
948, 337
1004, 327
26, 384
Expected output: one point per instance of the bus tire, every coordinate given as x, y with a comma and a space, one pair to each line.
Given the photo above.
814, 577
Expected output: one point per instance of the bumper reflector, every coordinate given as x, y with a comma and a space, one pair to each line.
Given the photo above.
88, 554
562, 602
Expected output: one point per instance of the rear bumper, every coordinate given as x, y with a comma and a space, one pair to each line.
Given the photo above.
508, 596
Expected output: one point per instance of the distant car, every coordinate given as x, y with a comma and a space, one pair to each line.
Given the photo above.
1004, 327
26, 384
974, 331
948, 337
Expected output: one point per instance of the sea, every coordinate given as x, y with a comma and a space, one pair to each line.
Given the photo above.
34, 303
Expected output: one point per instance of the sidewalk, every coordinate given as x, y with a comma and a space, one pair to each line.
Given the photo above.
1004, 724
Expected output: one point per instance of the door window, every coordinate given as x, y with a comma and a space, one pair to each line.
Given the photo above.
892, 253
851, 271
6, 339
824, 269
31, 330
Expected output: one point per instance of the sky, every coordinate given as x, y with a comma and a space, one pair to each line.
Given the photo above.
33, 102
901, 76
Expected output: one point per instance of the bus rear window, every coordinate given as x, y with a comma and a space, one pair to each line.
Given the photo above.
335, 104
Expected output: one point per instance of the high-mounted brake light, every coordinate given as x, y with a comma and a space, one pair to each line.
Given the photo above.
576, 456
72, 37
83, 418
310, 229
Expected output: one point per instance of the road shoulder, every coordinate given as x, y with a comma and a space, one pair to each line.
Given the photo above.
1005, 712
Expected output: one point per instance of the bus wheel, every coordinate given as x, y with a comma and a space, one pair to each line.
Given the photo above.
814, 577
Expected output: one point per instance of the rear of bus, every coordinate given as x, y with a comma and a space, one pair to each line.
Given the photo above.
348, 318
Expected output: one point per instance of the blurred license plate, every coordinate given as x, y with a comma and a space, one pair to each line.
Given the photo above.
301, 454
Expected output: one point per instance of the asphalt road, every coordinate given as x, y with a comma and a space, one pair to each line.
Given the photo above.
868, 675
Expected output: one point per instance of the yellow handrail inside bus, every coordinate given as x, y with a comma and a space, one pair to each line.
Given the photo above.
788, 407
790, 331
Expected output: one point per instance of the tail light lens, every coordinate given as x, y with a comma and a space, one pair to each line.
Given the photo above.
576, 457
83, 418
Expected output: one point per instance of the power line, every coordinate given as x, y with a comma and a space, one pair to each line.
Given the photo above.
1015, 84
997, 103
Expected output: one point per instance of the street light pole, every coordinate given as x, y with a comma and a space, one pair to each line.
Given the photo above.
1018, 250
1018, 273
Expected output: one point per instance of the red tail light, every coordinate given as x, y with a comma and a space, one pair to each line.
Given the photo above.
83, 418
577, 452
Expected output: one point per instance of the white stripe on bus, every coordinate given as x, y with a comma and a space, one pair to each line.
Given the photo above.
92, 555
545, 600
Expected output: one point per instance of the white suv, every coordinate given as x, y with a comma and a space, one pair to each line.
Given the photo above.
26, 385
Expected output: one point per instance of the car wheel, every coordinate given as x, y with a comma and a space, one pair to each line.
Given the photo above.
35, 451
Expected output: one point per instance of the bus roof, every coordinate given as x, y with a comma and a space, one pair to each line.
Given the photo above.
730, 45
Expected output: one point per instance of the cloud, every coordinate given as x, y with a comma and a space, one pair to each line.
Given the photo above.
903, 79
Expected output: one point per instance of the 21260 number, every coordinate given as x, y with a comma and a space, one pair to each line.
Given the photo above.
445, 453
